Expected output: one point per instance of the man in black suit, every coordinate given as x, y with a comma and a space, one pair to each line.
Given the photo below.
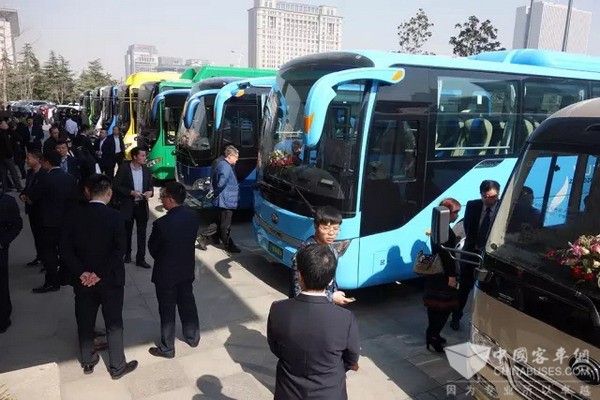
68, 163
315, 341
133, 188
10, 227
105, 153
92, 246
479, 215
172, 244
56, 194
33, 134
119, 146
34, 211
51, 142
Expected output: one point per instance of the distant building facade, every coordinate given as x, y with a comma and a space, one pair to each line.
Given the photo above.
196, 62
280, 31
9, 30
170, 64
141, 57
547, 28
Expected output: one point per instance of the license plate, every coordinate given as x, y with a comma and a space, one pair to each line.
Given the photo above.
275, 250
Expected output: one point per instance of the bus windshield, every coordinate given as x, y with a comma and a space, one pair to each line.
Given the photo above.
173, 108
324, 174
551, 203
199, 137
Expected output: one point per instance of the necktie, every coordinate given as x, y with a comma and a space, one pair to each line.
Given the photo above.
484, 228
63, 165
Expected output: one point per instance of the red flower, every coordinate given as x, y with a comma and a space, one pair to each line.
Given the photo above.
551, 254
577, 272
588, 277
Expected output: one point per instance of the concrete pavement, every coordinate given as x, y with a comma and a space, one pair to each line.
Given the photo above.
233, 361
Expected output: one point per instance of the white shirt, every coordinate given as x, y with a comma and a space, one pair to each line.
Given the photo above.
314, 294
117, 145
138, 178
71, 126
97, 201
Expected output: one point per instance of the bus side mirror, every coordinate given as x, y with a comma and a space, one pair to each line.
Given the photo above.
167, 114
440, 220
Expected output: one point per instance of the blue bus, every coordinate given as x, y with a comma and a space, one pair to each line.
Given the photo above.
384, 137
109, 107
213, 119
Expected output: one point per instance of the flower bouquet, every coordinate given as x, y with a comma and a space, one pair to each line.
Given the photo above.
582, 256
280, 158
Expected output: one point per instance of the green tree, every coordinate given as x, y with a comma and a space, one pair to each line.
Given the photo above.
66, 84
50, 77
28, 77
414, 33
475, 37
94, 76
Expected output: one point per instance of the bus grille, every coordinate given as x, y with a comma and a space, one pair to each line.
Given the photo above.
533, 385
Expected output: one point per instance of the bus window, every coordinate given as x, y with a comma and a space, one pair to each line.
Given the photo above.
390, 188
595, 89
475, 117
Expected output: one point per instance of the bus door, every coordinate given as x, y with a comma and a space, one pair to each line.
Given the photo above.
240, 129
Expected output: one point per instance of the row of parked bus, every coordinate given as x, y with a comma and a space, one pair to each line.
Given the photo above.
384, 137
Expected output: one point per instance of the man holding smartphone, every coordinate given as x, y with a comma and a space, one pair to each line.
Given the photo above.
133, 187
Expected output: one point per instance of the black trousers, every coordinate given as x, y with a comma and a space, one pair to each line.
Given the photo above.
437, 319
108, 170
221, 225
8, 166
20, 161
36, 230
5, 304
182, 296
140, 217
467, 282
119, 157
87, 301
49, 238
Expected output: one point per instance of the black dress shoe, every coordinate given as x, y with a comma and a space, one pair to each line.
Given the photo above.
127, 259
33, 263
455, 324
46, 288
156, 352
89, 368
143, 264
232, 248
5, 327
442, 340
129, 367
202, 243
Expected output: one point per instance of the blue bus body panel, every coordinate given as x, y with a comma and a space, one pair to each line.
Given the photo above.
113, 121
233, 89
192, 103
161, 96
542, 58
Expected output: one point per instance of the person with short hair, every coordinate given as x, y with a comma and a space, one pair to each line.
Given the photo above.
226, 194
92, 246
172, 244
68, 163
105, 153
7, 162
34, 211
327, 221
50, 143
119, 146
479, 215
133, 188
33, 134
315, 341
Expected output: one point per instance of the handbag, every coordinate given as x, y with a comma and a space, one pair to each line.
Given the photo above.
428, 264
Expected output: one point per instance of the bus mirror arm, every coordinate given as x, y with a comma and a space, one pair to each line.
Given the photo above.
481, 274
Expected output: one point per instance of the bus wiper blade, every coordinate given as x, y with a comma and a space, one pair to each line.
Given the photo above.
310, 206
189, 154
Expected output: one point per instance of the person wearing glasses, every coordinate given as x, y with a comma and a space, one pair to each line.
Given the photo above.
441, 296
479, 215
327, 227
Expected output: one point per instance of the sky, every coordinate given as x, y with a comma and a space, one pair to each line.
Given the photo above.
217, 30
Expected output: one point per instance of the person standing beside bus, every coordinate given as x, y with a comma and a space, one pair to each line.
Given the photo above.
327, 226
479, 215
441, 296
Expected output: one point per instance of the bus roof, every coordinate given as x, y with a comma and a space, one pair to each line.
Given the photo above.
135, 80
360, 58
189, 73
212, 71
175, 84
543, 58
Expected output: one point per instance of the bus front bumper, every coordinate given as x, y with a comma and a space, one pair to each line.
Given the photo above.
280, 246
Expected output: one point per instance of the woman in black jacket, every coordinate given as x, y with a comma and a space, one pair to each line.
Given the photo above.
441, 296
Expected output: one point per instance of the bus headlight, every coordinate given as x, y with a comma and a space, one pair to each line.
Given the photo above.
497, 357
153, 162
341, 246
202, 184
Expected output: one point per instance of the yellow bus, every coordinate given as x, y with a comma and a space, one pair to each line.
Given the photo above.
127, 103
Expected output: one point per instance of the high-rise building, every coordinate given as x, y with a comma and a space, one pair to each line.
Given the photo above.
170, 64
9, 30
279, 31
547, 28
141, 57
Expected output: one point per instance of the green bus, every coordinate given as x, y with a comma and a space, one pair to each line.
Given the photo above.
160, 105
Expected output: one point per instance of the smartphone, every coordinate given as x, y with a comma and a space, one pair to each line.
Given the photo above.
351, 298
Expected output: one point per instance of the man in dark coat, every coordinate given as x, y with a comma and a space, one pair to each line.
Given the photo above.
68, 163
133, 188
52, 141
92, 246
34, 211
56, 194
105, 154
33, 134
479, 215
315, 341
7, 162
172, 244
10, 227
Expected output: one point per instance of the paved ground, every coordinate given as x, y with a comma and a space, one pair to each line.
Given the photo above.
233, 360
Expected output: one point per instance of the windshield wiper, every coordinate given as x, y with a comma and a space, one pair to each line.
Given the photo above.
310, 206
189, 154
